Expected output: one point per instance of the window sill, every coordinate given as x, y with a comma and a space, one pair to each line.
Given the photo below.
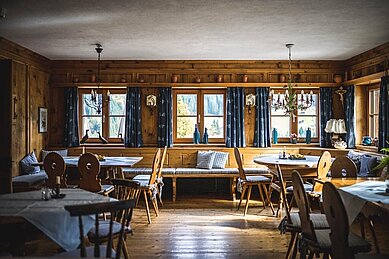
200, 145
372, 149
102, 145
288, 144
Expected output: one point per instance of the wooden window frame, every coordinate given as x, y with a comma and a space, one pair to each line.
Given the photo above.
104, 114
368, 111
293, 126
200, 114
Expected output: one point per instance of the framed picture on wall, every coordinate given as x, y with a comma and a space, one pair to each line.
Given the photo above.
42, 120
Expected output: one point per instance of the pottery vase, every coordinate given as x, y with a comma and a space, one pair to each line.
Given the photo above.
174, 79
338, 79
245, 78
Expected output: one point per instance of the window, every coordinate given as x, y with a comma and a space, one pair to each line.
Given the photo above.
110, 123
305, 119
206, 108
373, 110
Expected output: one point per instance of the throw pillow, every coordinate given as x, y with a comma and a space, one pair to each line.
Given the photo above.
205, 159
25, 164
356, 157
62, 152
367, 165
220, 160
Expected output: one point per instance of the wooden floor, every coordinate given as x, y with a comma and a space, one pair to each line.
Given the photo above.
206, 227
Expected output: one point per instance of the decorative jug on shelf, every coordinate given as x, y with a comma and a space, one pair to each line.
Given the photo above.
205, 136
196, 135
308, 135
367, 141
275, 136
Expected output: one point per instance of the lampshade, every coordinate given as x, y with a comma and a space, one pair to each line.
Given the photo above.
335, 126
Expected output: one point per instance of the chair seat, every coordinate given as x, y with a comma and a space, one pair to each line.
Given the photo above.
257, 179
308, 187
104, 229
106, 188
89, 252
141, 177
356, 243
319, 221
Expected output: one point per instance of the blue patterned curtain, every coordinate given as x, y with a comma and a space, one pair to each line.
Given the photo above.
133, 127
71, 138
235, 118
383, 134
262, 118
349, 116
325, 115
165, 117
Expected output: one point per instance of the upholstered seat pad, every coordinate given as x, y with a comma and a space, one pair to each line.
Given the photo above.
89, 252
255, 170
29, 179
319, 221
308, 187
104, 229
107, 187
356, 243
142, 177
206, 171
146, 171
256, 178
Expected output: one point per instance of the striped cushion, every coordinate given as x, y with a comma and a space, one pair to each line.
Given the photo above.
30, 179
356, 243
206, 171
255, 170
257, 178
319, 220
220, 160
146, 171
205, 159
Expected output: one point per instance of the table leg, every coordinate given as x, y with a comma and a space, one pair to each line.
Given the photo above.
174, 182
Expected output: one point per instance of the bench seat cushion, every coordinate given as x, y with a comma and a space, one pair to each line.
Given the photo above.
146, 171
206, 171
255, 170
29, 179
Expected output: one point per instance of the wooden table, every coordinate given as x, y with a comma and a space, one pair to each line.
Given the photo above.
49, 216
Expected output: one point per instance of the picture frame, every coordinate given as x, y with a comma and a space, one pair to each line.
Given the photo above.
42, 120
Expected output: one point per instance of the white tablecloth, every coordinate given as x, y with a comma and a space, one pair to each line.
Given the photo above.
356, 196
309, 161
50, 216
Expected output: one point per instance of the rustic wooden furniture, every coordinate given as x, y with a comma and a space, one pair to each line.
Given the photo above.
119, 211
54, 166
248, 181
313, 240
323, 167
343, 167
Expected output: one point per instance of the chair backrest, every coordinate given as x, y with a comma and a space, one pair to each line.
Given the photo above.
337, 219
343, 167
54, 166
163, 157
115, 208
125, 189
238, 158
302, 202
282, 187
89, 167
156, 164
324, 165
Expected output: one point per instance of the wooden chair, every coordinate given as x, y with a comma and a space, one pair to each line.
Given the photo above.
316, 241
338, 220
120, 215
343, 167
89, 167
54, 166
159, 180
124, 190
248, 181
323, 167
149, 188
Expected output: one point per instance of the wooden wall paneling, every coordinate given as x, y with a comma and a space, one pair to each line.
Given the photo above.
149, 118
337, 107
56, 116
249, 119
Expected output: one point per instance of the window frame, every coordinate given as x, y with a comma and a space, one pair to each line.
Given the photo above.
200, 114
368, 111
104, 114
293, 126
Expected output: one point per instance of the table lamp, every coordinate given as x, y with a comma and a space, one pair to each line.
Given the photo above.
336, 127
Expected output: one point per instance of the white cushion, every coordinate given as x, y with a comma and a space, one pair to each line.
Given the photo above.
205, 159
220, 160
26, 166
62, 152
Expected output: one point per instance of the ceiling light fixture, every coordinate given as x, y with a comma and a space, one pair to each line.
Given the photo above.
289, 101
95, 100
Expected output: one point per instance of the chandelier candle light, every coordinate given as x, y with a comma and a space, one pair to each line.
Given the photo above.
289, 102
95, 100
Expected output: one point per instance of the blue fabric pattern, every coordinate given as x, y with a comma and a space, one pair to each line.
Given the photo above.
165, 117
262, 118
325, 105
349, 116
71, 138
235, 118
383, 116
133, 127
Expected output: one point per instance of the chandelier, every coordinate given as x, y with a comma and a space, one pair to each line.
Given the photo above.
95, 99
289, 101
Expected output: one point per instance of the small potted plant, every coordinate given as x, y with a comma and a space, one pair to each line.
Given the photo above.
384, 165
293, 138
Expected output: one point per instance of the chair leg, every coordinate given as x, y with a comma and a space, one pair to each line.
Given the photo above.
125, 251
291, 244
261, 194
279, 209
154, 203
147, 206
268, 194
242, 196
248, 200
371, 226
159, 197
